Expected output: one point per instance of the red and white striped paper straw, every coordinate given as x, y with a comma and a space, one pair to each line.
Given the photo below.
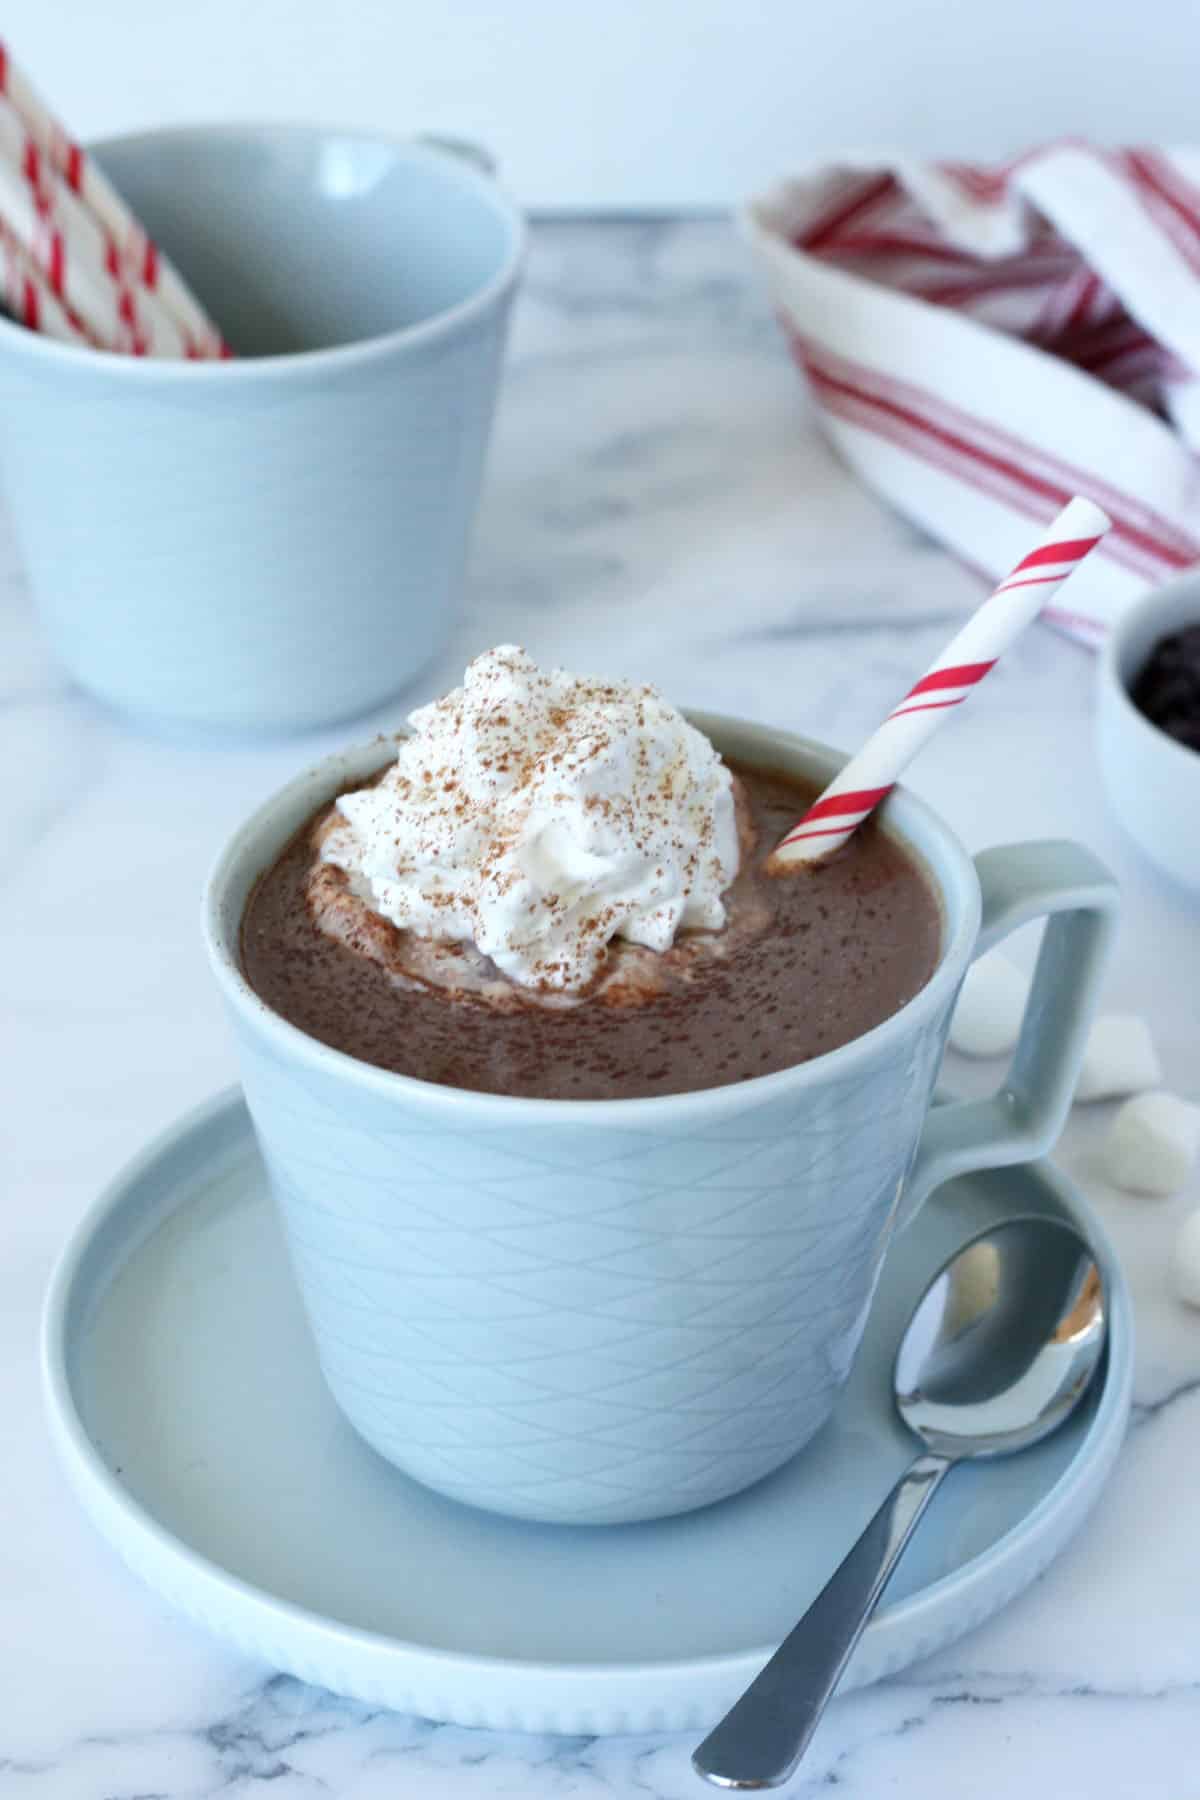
156, 312
870, 776
30, 298
73, 252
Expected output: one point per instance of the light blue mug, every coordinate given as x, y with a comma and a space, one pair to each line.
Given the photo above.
275, 542
599, 1311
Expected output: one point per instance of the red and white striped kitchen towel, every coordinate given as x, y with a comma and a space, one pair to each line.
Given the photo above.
983, 343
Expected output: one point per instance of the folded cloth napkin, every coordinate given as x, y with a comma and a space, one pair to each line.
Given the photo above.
983, 343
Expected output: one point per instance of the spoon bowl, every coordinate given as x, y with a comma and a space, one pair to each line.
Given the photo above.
1003, 1343
1000, 1350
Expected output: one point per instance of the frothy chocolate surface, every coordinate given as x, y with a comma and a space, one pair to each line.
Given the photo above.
809, 960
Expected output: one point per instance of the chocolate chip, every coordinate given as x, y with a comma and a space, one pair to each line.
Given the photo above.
1167, 688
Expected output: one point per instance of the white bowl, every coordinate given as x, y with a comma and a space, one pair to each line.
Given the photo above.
1153, 782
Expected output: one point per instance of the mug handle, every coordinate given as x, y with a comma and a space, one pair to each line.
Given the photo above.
1079, 899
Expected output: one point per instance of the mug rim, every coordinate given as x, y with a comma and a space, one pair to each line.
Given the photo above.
287, 364
953, 869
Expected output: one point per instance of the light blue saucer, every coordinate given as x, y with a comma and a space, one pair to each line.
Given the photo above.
186, 1403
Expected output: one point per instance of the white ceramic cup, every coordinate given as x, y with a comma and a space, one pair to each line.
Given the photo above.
597, 1311
275, 542
1153, 783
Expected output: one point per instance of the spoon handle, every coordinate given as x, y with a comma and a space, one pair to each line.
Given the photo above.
764, 1734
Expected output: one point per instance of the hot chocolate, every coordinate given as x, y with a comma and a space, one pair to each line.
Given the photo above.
665, 957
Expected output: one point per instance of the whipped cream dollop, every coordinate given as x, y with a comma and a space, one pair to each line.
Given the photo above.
539, 815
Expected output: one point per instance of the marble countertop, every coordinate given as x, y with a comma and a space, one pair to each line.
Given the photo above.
658, 504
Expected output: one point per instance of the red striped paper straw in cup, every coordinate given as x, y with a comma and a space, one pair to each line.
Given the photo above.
869, 776
91, 251
30, 298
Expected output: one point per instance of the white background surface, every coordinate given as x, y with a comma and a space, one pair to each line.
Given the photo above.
634, 103
658, 505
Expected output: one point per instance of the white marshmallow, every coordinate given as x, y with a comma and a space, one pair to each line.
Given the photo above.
1151, 1144
1120, 1059
1185, 1260
990, 1007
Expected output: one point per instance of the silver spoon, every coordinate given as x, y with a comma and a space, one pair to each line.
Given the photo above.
997, 1355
